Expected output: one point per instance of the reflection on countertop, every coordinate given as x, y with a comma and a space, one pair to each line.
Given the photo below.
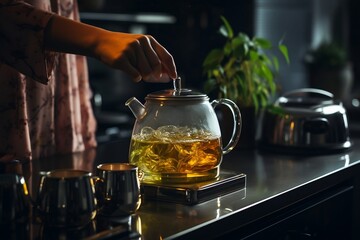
273, 181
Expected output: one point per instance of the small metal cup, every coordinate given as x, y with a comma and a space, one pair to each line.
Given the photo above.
118, 189
14, 199
66, 198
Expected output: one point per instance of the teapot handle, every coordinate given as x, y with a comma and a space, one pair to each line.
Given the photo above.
237, 120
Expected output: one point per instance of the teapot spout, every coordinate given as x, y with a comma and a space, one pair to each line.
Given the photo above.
136, 107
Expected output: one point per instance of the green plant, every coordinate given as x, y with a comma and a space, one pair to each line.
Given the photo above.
326, 55
242, 70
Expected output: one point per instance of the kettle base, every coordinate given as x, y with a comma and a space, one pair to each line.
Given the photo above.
174, 178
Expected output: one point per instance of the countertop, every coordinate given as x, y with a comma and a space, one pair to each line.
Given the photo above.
273, 182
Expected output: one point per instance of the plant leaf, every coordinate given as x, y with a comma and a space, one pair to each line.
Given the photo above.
213, 59
241, 69
263, 43
223, 90
237, 47
229, 68
263, 99
266, 73
276, 64
254, 56
226, 29
228, 48
276, 110
265, 59
210, 85
284, 50
245, 39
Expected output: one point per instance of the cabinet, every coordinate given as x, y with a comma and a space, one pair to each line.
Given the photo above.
325, 215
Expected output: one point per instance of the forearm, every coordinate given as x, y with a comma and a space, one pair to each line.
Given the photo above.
141, 56
65, 35
29, 31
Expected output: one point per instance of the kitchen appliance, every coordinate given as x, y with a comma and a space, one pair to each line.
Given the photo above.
176, 137
194, 193
306, 121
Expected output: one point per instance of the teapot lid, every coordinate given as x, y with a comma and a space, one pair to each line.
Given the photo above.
171, 94
177, 93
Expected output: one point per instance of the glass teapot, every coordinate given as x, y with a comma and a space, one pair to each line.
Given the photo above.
176, 137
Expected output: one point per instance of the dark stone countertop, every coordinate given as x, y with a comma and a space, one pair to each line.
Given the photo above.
273, 182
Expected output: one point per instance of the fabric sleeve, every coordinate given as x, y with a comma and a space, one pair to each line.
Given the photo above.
22, 39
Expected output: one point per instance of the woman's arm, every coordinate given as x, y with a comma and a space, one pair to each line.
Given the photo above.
141, 56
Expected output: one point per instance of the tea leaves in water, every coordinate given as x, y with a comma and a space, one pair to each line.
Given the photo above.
175, 150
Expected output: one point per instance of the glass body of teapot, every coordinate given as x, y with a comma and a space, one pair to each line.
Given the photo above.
176, 137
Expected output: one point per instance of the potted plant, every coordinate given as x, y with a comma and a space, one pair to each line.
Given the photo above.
243, 70
328, 68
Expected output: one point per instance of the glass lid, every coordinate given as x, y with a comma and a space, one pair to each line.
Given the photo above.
177, 93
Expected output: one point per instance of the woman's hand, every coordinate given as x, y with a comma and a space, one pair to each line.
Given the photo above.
141, 56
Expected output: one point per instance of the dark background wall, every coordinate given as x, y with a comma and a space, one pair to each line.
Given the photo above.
192, 32
189, 38
354, 40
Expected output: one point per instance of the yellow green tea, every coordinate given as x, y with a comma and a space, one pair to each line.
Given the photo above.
178, 155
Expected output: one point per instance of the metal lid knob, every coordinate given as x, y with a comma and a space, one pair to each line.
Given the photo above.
177, 93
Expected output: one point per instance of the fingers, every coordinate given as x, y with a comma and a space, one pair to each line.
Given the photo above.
146, 59
167, 61
129, 69
152, 58
163, 79
149, 55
